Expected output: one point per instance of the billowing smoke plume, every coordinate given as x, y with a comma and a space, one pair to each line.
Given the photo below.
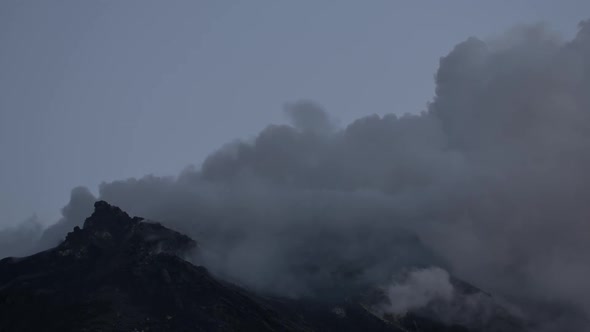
490, 183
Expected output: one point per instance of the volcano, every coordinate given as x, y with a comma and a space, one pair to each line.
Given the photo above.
122, 273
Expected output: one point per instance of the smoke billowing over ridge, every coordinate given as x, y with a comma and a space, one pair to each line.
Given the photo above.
490, 183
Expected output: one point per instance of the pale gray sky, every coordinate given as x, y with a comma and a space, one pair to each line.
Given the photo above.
103, 90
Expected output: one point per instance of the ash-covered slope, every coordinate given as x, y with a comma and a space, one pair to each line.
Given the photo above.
119, 273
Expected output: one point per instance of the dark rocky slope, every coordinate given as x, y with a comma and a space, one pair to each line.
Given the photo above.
119, 273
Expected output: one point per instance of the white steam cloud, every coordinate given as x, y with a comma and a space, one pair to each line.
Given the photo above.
420, 288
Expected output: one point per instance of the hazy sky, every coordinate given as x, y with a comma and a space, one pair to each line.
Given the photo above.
102, 90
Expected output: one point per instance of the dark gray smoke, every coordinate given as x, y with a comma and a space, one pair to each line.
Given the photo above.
491, 183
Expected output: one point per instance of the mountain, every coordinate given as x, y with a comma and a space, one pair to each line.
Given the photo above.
119, 273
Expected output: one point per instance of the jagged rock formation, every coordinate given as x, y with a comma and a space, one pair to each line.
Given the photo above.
119, 273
